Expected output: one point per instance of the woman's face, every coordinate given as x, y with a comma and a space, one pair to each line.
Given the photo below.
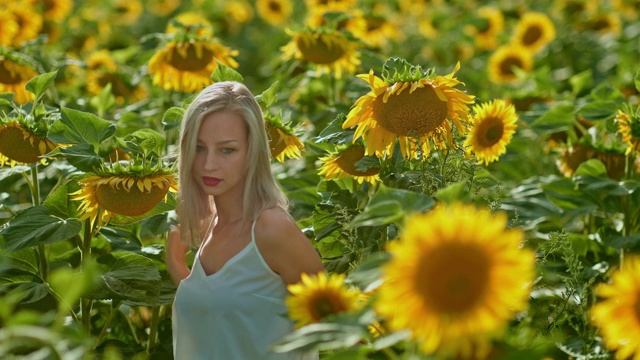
221, 151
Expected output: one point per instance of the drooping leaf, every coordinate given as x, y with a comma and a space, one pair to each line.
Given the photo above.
39, 84
82, 156
172, 118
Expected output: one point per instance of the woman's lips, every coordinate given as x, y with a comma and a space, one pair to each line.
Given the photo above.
211, 181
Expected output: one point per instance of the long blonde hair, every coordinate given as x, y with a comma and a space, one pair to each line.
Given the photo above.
261, 191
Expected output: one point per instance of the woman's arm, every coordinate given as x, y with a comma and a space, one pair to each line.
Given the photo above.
284, 246
176, 253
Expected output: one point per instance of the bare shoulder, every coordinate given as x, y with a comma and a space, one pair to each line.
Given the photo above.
275, 226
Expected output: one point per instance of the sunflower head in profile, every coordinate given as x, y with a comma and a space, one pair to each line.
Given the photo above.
617, 314
456, 277
317, 297
503, 61
494, 124
121, 190
628, 122
534, 31
282, 140
187, 65
572, 156
411, 105
344, 164
330, 51
20, 143
274, 12
14, 75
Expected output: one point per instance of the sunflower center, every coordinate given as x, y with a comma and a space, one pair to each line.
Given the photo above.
276, 142
118, 86
195, 58
415, 114
531, 35
275, 6
454, 289
490, 132
348, 158
132, 202
374, 23
318, 51
14, 145
483, 25
506, 66
323, 307
8, 77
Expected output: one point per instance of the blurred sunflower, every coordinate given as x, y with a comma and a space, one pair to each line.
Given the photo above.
330, 51
627, 8
13, 78
20, 145
534, 31
574, 9
187, 66
103, 70
504, 59
192, 22
8, 27
323, 6
494, 123
29, 23
238, 13
605, 23
456, 277
490, 24
122, 192
417, 7
274, 12
572, 156
617, 313
380, 31
126, 12
318, 296
163, 7
342, 164
56, 10
415, 107
629, 127
282, 141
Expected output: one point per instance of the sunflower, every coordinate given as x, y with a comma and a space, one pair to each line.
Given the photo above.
628, 8
238, 12
342, 164
14, 77
19, 145
163, 7
605, 23
329, 51
571, 157
193, 22
494, 124
316, 297
629, 128
107, 194
534, 31
617, 313
274, 12
415, 107
103, 70
456, 277
504, 59
126, 12
282, 141
380, 31
29, 23
187, 66
490, 25
8, 27
330, 5
56, 10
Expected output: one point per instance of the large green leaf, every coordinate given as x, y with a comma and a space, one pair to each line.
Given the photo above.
79, 127
82, 156
59, 203
558, 118
36, 226
598, 110
389, 205
564, 194
225, 73
146, 142
127, 276
22, 277
39, 84
172, 118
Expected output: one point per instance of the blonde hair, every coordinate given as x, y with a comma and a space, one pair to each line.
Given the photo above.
261, 191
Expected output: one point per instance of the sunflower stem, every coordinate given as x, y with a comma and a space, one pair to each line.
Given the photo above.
153, 328
85, 252
390, 354
107, 323
34, 186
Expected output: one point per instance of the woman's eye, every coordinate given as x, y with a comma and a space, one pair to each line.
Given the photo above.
227, 150
199, 148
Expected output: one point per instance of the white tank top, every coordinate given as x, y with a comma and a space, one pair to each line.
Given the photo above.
235, 313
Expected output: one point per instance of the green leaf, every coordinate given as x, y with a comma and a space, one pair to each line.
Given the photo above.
21, 277
581, 81
598, 110
172, 118
225, 73
624, 242
79, 127
381, 213
558, 118
127, 276
39, 84
390, 205
36, 226
637, 81
591, 167
59, 203
269, 96
146, 142
6, 172
454, 192
104, 101
321, 335
564, 194
366, 163
82, 156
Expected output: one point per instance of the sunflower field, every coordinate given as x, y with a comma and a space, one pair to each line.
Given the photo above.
467, 170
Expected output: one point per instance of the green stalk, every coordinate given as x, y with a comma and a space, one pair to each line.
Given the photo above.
153, 328
85, 252
34, 186
107, 323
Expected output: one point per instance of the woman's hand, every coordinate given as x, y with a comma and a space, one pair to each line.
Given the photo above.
176, 253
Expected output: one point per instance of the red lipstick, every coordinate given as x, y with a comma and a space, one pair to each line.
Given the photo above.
211, 181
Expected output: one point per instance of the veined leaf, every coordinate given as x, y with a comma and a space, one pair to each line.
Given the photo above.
127, 276
39, 84
79, 127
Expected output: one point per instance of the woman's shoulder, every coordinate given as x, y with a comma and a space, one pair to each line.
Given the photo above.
275, 225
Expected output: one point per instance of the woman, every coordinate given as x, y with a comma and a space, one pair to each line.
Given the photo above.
230, 305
